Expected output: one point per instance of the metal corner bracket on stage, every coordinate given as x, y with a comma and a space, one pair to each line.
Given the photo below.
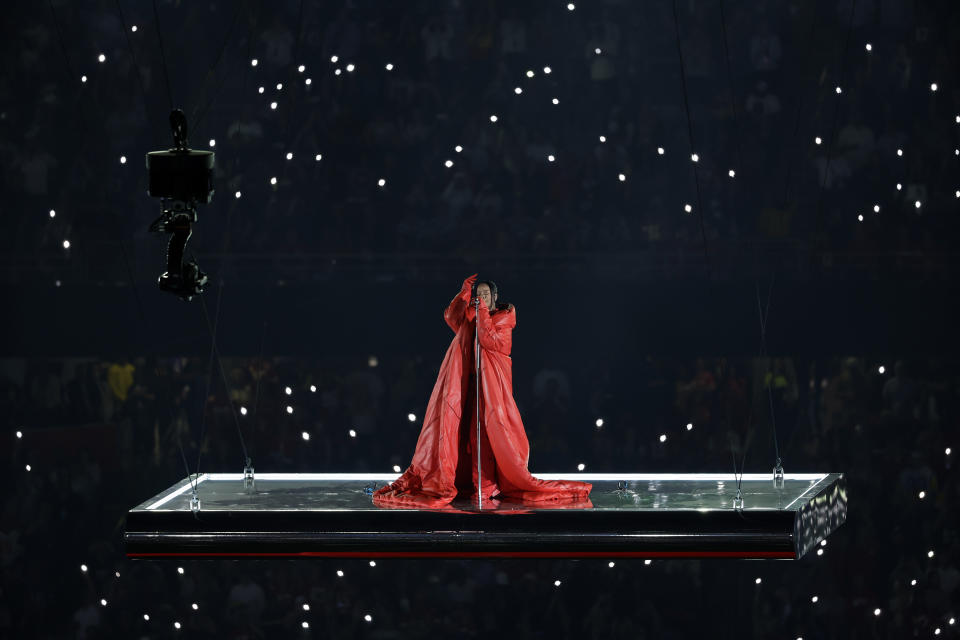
626, 515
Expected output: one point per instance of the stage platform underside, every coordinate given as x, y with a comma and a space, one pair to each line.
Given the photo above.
626, 515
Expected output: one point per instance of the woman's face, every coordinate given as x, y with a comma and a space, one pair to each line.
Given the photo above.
483, 292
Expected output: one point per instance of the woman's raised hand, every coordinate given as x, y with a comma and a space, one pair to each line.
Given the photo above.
468, 283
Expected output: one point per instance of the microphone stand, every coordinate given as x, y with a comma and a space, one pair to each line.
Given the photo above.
476, 362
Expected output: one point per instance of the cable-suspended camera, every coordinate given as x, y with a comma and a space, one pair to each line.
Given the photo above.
182, 179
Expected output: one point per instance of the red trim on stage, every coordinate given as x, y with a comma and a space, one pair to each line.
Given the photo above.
787, 555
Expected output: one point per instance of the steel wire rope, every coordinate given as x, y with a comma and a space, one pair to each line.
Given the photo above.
686, 106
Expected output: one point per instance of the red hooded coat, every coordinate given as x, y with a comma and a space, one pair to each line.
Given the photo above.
445, 460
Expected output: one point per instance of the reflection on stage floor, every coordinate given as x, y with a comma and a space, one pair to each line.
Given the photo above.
626, 515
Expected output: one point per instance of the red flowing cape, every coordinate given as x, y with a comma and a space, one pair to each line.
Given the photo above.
442, 462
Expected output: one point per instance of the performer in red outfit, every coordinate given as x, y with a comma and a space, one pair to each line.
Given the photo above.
445, 460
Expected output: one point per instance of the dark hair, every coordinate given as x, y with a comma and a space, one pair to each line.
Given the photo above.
493, 291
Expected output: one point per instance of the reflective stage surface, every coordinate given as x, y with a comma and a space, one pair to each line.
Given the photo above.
639, 515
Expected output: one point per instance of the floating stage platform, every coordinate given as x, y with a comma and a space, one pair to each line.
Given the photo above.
625, 515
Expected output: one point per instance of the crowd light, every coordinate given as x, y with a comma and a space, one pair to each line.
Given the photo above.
133, 28
517, 90
123, 159
581, 467
819, 552
243, 411
273, 180
493, 118
313, 388
556, 583
29, 468
547, 70
458, 148
289, 409
603, 138
180, 570
381, 182
212, 142
599, 422
289, 155
288, 391
305, 624
411, 417
660, 151
597, 51
922, 495
194, 606
933, 86
947, 451
318, 157
305, 435
306, 607
930, 553
917, 204
146, 617
66, 244
20, 435
368, 618
339, 573
334, 59
448, 164
695, 157
83, 568
622, 177
273, 105
253, 62
389, 67
869, 47
102, 58
758, 580
818, 140
176, 625
732, 173
647, 562
899, 153
350, 67
899, 186
301, 68
555, 101
308, 82
876, 611
373, 563
396, 468
687, 208
550, 158
237, 195
530, 73
260, 90
571, 6
689, 426
663, 437
611, 564
860, 217
814, 599
83, 78
352, 433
